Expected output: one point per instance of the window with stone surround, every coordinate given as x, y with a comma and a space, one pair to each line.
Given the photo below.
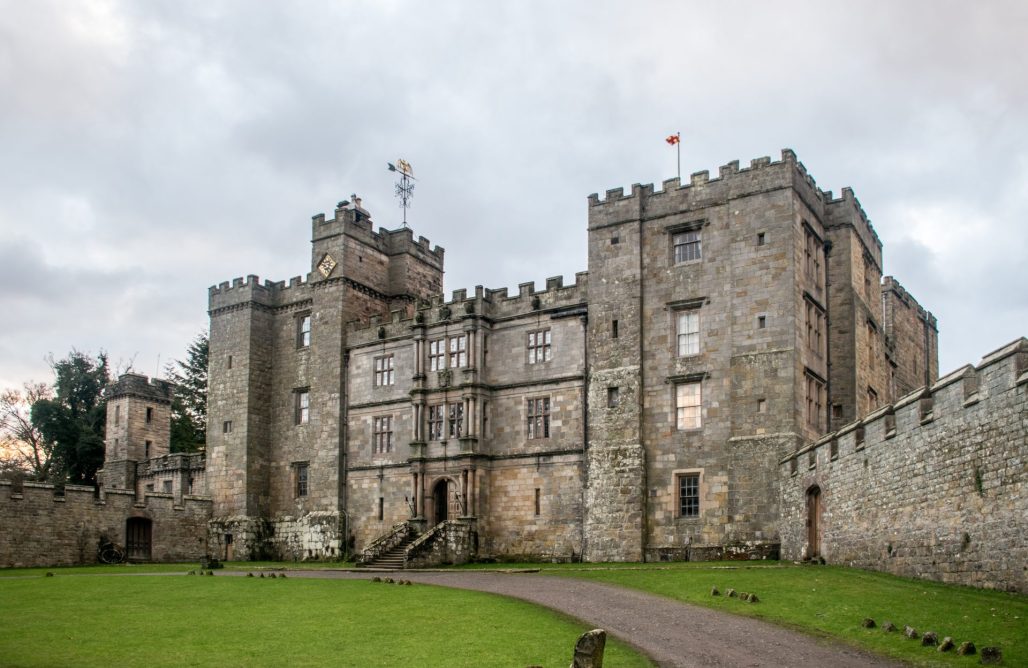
301, 471
815, 395
538, 411
689, 405
815, 317
872, 399
437, 355
688, 493
302, 405
167, 486
539, 346
226, 427
146, 449
117, 415
686, 246
382, 434
303, 330
688, 332
458, 351
384, 374
813, 255
455, 420
149, 414
612, 397
436, 415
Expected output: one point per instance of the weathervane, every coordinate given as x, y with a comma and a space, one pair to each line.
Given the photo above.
404, 187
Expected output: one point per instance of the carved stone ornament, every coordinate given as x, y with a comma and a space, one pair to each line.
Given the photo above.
326, 265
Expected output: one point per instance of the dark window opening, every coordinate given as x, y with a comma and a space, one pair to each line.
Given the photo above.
612, 397
537, 501
614, 329
149, 414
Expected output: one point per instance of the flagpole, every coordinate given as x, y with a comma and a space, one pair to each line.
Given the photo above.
678, 145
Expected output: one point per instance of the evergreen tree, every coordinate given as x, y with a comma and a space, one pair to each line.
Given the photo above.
74, 419
189, 407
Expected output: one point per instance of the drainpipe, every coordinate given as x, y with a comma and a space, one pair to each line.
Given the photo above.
828, 329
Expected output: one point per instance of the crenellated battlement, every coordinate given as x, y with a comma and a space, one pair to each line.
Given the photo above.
252, 290
484, 302
353, 221
890, 284
138, 385
732, 181
999, 372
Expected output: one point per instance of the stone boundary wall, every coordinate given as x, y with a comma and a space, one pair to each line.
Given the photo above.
934, 486
315, 536
43, 528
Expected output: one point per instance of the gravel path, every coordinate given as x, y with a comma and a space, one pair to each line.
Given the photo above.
669, 632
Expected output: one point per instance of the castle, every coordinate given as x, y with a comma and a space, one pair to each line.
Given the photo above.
657, 408
639, 413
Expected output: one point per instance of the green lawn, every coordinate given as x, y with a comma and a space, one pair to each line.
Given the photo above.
832, 601
234, 621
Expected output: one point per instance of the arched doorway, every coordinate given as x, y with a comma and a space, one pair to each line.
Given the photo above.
814, 522
444, 500
138, 536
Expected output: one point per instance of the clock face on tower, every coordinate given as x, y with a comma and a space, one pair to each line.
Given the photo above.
326, 265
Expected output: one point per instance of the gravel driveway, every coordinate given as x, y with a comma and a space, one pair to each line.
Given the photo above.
669, 632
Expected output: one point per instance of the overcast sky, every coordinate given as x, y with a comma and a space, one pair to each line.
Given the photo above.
151, 149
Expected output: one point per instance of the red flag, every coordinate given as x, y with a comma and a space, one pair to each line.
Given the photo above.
674, 139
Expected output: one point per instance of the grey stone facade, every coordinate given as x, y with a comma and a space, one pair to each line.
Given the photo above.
337, 395
934, 485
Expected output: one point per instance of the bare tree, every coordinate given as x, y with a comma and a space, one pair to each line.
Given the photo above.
22, 445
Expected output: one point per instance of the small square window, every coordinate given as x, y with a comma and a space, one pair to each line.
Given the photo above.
226, 427
761, 239
167, 487
614, 241
149, 414
761, 405
761, 321
612, 397
686, 246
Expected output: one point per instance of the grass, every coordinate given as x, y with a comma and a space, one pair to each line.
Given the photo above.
832, 601
234, 621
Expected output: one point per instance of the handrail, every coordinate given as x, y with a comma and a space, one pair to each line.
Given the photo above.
396, 535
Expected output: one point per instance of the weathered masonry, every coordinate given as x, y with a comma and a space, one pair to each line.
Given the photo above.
639, 413
148, 501
934, 485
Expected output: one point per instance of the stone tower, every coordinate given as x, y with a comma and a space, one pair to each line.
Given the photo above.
138, 427
276, 464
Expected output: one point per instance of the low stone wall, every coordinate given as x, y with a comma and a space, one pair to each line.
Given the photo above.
450, 543
934, 486
316, 536
41, 527
748, 551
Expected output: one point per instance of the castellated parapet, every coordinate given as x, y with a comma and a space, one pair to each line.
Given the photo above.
932, 486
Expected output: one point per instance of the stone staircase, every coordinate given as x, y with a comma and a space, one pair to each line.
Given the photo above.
394, 558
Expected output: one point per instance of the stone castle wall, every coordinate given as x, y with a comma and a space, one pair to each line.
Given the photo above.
934, 486
43, 528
